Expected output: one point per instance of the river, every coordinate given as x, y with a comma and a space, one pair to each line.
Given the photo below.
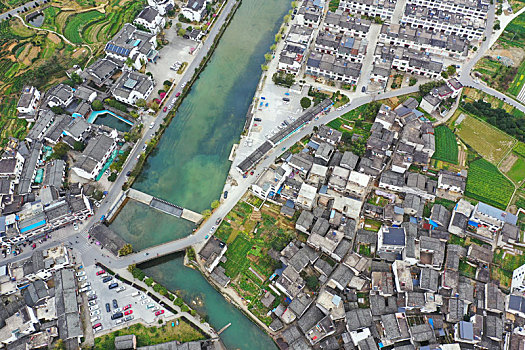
190, 165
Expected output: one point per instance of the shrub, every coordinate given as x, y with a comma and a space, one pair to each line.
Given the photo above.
97, 105
184, 308
127, 248
179, 302
149, 281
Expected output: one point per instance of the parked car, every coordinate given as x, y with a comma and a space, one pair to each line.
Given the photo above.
152, 125
98, 329
225, 194
82, 278
85, 284
129, 318
92, 297
119, 321
115, 304
113, 285
108, 307
128, 312
92, 302
117, 316
95, 312
127, 307
158, 313
150, 306
218, 221
107, 279
257, 119
81, 273
363, 89
117, 310
95, 319
75, 226
93, 308
121, 289
97, 325
165, 109
177, 94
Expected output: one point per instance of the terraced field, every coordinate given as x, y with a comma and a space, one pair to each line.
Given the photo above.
76, 24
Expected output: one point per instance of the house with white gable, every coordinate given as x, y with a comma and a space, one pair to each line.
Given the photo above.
151, 19
195, 10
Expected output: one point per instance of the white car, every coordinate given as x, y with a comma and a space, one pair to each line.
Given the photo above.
116, 310
94, 313
152, 125
121, 289
81, 273
82, 278
90, 293
84, 285
119, 321
92, 302
94, 307
75, 226
183, 85
95, 319
142, 297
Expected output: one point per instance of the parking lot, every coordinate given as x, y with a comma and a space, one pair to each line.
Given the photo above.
270, 114
142, 308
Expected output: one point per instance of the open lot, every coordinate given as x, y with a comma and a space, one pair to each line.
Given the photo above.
517, 171
488, 141
105, 295
272, 110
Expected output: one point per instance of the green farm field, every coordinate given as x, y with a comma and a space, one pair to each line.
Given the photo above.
488, 141
517, 171
446, 145
487, 184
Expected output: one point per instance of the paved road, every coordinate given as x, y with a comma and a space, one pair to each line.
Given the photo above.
465, 74
20, 9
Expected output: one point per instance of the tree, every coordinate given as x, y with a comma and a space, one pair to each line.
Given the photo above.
264, 67
184, 308
412, 81
268, 57
76, 79
155, 106
60, 150
278, 37
79, 146
444, 75
166, 83
129, 62
294, 4
273, 47
97, 105
179, 302
149, 281
306, 102
497, 26
287, 18
178, 25
126, 249
312, 282
193, 313
141, 103
60, 345
206, 213
451, 70
181, 32
215, 204
112, 177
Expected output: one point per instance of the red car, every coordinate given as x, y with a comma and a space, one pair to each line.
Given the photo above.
158, 313
129, 312
165, 109
177, 94
100, 272
127, 307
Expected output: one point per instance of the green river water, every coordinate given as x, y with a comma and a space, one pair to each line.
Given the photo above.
190, 165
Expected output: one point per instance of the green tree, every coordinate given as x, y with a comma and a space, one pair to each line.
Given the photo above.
412, 81
273, 47
451, 70
193, 313
181, 32
215, 204
178, 25
497, 26
129, 62
206, 213
149, 281
184, 308
444, 74
141, 103
306, 102
155, 106
79, 146
112, 177
76, 79
126, 249
179, 302
312, 282
97, 105
294, 4
287, 18
278, 37
60, 345
264, 67
268, 57
60, 150
166, 83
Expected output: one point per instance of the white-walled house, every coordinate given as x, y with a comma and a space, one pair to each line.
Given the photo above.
151, 19
28, 103
132, 43
93, 158
163, 6
195, 10
132, 86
